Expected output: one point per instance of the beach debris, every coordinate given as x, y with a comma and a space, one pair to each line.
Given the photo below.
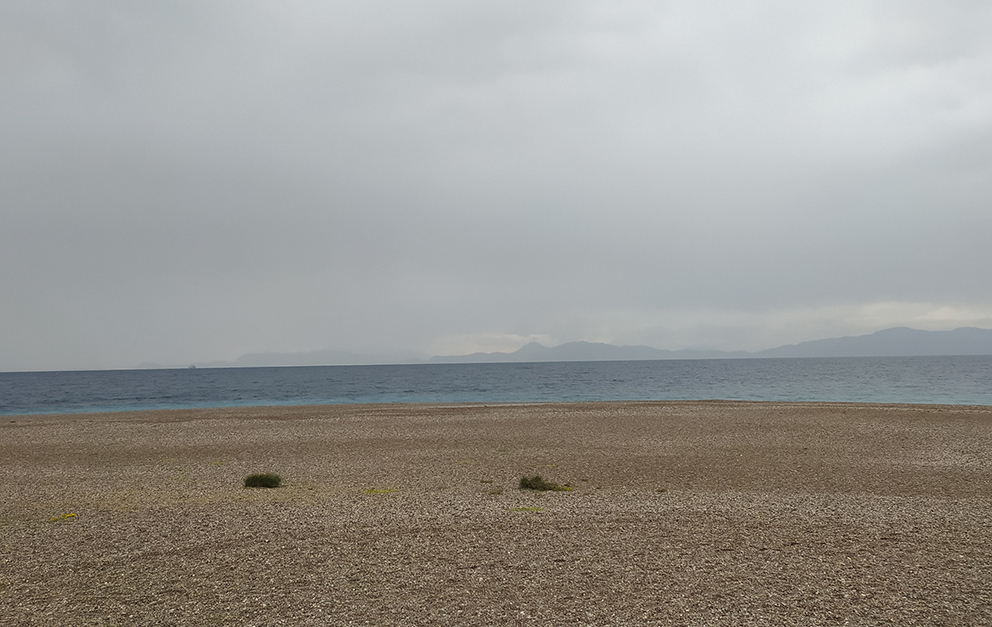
63, 517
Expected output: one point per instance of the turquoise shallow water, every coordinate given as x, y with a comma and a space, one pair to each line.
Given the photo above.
945, 380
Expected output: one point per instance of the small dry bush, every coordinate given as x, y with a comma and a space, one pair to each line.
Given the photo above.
263, 480
537, 482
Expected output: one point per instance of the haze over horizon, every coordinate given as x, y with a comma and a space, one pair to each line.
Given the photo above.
194, 181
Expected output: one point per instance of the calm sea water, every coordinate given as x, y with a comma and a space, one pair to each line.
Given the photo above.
950, 380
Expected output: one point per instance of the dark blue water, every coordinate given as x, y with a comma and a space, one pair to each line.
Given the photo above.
949, 380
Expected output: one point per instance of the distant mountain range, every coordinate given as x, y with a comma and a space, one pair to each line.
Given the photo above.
897, 342
901, 341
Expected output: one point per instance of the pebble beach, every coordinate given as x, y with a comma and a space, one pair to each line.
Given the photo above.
684, 513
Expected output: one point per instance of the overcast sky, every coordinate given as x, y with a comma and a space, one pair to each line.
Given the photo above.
191, 181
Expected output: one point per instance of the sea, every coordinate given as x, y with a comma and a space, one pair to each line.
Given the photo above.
963, 380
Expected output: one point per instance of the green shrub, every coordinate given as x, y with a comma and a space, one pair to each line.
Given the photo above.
263, 480
538, 483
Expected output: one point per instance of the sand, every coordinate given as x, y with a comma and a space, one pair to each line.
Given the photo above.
689, 513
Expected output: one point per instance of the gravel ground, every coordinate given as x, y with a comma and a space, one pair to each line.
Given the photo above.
689, 513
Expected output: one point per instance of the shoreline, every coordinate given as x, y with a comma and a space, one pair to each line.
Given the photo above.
681, 513
277, 408
946, 380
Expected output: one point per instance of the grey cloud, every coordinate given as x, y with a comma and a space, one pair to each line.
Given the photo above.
185, 181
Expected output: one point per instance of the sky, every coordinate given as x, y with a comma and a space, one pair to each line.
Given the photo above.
195, 180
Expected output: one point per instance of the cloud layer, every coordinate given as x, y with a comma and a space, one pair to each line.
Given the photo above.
191, 181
